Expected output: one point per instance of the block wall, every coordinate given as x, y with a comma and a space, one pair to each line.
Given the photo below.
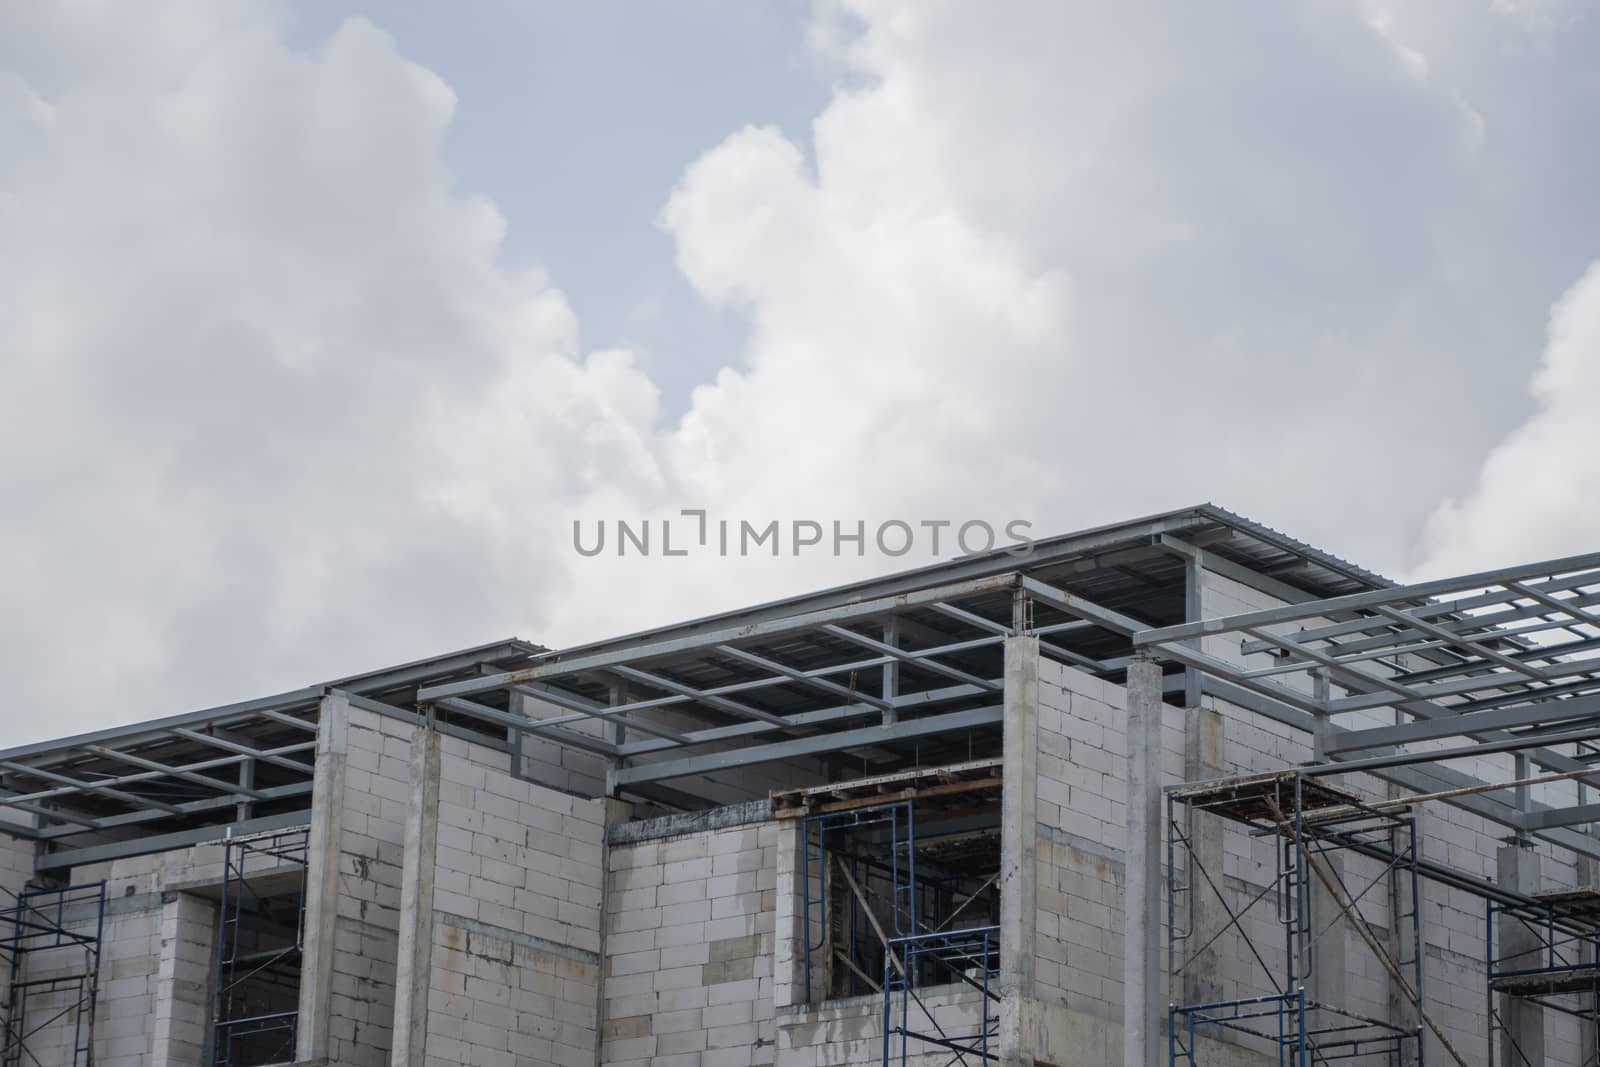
155, 980
1082, 836
689, 928
16, 864
369, 857
514, 969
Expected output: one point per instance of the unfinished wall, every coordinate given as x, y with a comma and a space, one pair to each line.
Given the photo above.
156, 965
689, 950
500, 959
353, 886
16, 863
1080, 839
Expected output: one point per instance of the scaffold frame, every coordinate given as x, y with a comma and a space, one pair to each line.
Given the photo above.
53, 919
237, 966
1557, 969
1310, 821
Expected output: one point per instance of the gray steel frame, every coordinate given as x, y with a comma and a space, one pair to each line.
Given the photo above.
1465, 657
179, 780
1508, 658
875, 634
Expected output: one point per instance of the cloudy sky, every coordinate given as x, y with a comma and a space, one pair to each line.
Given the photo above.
321, 324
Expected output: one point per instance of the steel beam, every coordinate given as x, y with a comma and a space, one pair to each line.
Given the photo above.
183, 773
1368, 600
228, 744
922, 659
158, 729
794, 748
700, 696
1459, 725
730, 635
138, 846
797, 675
597, 745
131, 799
191, 807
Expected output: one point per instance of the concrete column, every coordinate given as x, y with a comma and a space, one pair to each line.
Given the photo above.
788, 950
1202, 760
617, 811
1330, 928
1142, 1008
322, 877
413, 957
1019, 831
1517, 867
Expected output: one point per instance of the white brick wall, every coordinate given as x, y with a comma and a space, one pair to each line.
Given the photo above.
370, 857
515, 925
689, 950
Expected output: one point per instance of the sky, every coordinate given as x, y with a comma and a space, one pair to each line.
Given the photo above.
322, 325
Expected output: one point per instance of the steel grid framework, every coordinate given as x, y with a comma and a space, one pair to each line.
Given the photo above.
188, 778
1508, 659
177, 781
907, 670
792, 687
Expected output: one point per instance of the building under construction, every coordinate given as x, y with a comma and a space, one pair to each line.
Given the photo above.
1181, 790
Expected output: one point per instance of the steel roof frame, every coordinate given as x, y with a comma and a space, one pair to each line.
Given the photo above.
1477, 663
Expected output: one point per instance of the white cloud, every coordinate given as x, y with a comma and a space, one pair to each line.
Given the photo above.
263, 362
1091, 266
278, 409
1537, 495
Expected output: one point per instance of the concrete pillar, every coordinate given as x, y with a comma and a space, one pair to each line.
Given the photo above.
1202, 760
1019, 831
788, 952
1142, 1008
1517, 867
617, 811
1330, 928
322, 877
413, 957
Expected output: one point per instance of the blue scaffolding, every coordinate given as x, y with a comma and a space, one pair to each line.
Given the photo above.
900, 865
904, 956
969, 957
260, 939
62, 927
1308, 821
1555, 966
